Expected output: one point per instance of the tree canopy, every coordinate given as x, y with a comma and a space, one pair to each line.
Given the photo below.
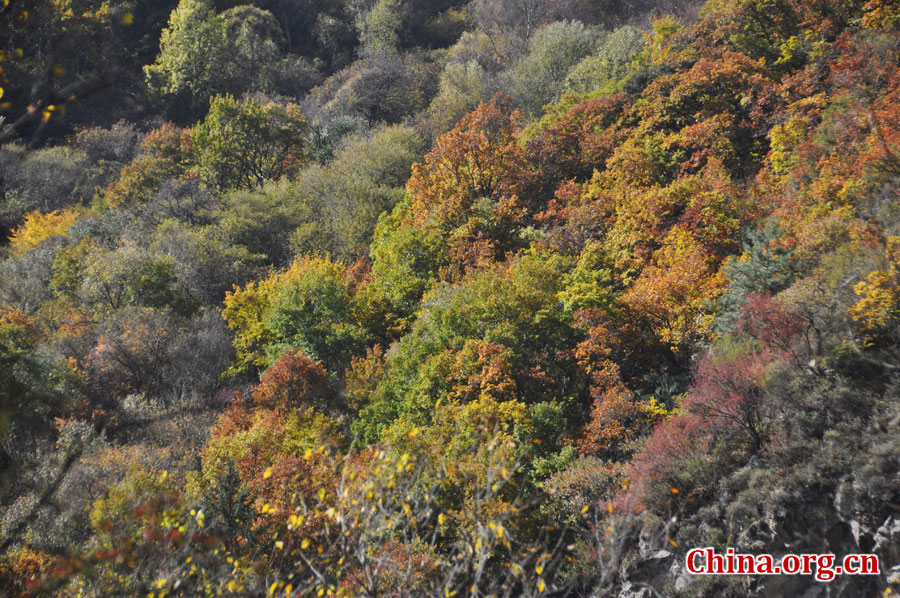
446, 298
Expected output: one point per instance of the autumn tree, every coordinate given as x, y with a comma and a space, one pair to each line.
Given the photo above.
132, 351
293, 380
165, 154
39, 227
468, 189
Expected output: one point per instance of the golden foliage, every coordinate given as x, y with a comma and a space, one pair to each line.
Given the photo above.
38, 227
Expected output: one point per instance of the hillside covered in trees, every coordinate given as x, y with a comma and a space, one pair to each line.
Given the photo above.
401, 298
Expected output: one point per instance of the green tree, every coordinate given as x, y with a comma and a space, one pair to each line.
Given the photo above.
130, 276
366, 178
483, 337
540, 77
380, 27
35, 384
313, 312
267, 220
254, 41
460, 89
307, 306
406, 263
764, 267
202, 54
609, 63
244, 143
191, 54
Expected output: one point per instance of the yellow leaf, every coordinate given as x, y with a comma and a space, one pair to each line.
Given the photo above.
541, 586
267, 474
304, 544
127, 18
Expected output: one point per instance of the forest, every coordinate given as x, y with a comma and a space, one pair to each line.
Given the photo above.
436, 298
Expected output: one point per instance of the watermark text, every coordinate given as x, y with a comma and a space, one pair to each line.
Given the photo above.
706, 561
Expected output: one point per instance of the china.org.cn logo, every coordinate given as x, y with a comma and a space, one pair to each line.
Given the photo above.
705, 561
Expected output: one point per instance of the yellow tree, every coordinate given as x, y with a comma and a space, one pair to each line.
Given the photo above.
39, 227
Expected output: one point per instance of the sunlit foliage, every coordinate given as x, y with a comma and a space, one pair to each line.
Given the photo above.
444, 298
